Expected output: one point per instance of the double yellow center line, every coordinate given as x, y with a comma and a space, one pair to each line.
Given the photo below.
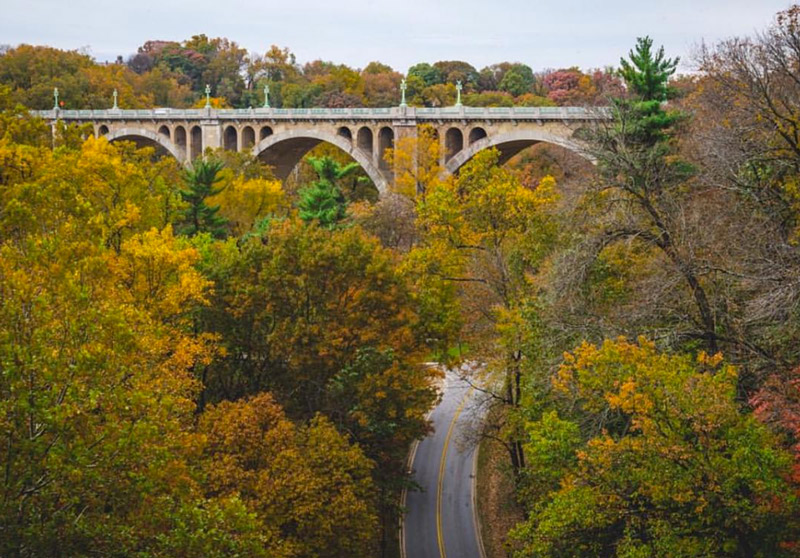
440, 483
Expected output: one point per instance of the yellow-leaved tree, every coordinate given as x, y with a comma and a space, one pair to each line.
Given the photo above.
416, 163
310, 488
483, 236
244, 201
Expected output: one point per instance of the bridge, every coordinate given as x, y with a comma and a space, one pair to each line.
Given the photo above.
281, 137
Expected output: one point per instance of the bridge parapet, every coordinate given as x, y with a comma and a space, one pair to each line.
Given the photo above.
366, 114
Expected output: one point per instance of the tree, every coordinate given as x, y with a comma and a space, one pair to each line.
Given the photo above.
647, 454
309, 488
324, 320
647, 73
482, 235
489, 99
381, 89
747, 143
200, 217
244, 202
517, 80
323, 201
427, 73
415, 161
97, 385
638, 162
457, 70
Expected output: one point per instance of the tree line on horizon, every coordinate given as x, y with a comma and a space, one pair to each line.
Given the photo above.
174, 74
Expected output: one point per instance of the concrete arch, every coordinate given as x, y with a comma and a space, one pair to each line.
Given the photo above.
248, 138
134, 133
512, 143
230, 139
364, 139
285, 149
385, 141
477, 134
453, 142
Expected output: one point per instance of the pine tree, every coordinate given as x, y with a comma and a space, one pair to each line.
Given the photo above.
645, 74
199, 216
323, 200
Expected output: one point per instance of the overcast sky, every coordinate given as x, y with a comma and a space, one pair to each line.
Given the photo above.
541, 33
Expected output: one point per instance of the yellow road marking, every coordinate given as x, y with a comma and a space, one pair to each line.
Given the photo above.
439, 535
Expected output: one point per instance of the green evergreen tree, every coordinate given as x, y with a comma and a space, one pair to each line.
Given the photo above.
323, 200
328, 169
647, 74
201, 182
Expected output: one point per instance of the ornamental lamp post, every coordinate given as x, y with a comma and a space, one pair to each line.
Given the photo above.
458, 93
208, 96
403, 87
266, 96
55, 98
115, 107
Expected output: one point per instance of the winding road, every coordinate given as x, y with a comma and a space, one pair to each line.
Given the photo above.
440, 521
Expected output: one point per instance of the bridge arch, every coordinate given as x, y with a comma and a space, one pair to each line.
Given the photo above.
364, 139
453, 142
511, 143
180, 139
385, 141
248, 138
230, 139
139, 134
285, 149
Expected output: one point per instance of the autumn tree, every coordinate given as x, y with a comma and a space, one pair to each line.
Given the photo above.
97, 385
325, 321
748, 116
645, 184
310, 489
482, 234
648, 454
416, 162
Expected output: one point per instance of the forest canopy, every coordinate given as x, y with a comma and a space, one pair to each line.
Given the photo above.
203, 360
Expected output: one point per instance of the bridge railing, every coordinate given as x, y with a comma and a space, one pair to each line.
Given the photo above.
389, 113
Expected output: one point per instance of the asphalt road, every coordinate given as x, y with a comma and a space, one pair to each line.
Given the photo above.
439, 520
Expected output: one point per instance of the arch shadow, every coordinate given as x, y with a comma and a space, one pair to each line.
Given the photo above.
134, 134
284, 150
509, 144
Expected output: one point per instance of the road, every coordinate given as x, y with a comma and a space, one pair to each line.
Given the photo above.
439, 521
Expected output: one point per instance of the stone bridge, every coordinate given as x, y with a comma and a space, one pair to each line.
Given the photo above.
281, 137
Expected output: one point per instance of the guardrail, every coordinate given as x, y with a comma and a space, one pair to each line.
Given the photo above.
392, 113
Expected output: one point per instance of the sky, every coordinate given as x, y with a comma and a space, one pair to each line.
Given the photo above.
544, 34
